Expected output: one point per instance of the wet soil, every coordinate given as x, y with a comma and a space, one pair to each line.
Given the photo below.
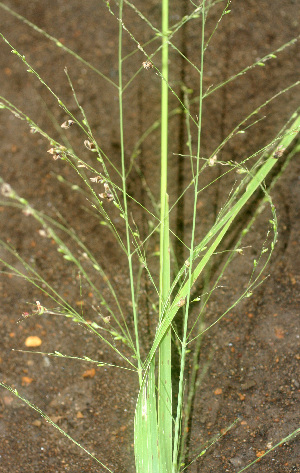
249, 362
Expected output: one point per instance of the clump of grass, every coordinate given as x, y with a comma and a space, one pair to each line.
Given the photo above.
160, 427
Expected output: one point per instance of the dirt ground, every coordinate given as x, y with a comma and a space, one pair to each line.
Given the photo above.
252, 355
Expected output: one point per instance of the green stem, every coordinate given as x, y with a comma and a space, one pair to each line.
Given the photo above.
185, 324
129, 255
164, 373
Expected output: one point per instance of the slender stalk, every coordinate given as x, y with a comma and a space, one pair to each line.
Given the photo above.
164, 377
129, 255
185, 324
164, 374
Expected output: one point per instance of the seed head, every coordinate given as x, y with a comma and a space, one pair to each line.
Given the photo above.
181, 302
67, 124
107, 194
147, 65
96, 179
89, 145
278, 152
81, 164
6, 190
212, 161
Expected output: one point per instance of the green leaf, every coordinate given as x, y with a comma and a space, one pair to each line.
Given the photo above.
145, 426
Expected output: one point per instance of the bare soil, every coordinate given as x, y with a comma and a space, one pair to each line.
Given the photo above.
251, 357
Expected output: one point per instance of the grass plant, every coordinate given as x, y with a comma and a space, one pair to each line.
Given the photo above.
160, 437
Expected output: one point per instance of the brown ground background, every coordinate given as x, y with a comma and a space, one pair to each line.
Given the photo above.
255, 359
